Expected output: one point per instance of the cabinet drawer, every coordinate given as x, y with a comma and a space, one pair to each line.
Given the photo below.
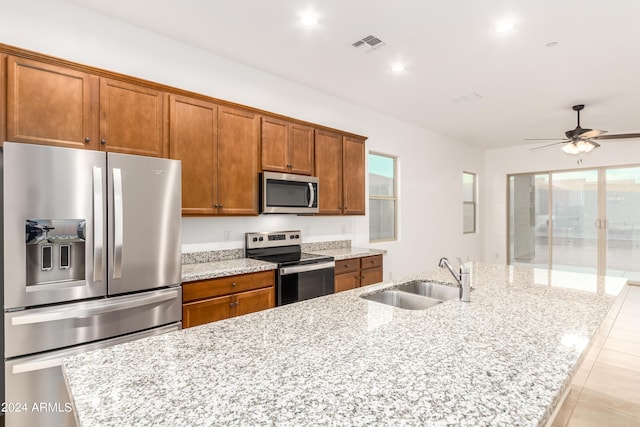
347, 266
227, 285
371, 276
371, 261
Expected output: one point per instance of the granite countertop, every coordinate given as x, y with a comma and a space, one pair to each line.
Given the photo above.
350, 252
505, 358
193, 267
210, 270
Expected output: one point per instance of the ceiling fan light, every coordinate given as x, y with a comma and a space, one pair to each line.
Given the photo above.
570, 149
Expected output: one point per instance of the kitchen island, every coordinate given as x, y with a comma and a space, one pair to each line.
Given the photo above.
505, 358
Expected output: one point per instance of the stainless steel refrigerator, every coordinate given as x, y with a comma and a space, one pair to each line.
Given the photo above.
90, 258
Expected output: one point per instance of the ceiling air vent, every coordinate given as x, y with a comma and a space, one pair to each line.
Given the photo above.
369, 44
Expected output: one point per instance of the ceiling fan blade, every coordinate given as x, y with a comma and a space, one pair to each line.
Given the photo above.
619, 136
592, 133
544, 139
591, 141
548, 145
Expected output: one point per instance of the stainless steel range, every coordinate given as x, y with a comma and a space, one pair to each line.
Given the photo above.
301, 276
90, 258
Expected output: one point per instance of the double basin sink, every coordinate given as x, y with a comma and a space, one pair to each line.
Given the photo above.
418, 295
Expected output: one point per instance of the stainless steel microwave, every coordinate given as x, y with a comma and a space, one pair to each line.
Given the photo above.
289, 193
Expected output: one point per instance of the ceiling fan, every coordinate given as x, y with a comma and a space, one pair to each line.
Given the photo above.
581, 140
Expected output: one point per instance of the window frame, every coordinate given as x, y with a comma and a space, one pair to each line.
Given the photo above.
473, 203
394, 198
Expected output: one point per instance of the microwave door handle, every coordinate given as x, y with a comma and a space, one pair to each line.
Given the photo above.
312, 195
117, 223
98, 224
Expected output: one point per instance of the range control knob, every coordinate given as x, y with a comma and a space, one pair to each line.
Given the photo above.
292, 236
261, 239
255, 239
297, 236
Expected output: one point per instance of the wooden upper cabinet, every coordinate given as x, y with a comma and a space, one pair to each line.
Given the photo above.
328, 156
193, 136
286, 147
51, 105
131, 119
238, 141
301, 143
3, 98
353, 175
275, 145
340, 168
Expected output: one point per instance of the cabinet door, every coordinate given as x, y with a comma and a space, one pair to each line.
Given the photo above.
370, 276
346, 281
51, 105
238, 140
353, 176
131, 119
300, 149
3, 98
193, 136
328, 162
210, 310
252, 301
275, 143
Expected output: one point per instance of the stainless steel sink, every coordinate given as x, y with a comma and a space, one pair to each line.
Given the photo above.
402, 299
418, 295
432, 290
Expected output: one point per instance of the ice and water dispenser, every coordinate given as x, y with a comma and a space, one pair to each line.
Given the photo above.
55, 250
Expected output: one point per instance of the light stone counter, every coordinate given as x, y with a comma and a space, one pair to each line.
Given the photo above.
350, 252
210, 270
503, 359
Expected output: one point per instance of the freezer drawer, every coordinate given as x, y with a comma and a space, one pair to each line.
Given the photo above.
36, 394
47, 328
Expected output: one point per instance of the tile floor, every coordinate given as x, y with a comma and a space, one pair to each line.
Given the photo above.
606, 388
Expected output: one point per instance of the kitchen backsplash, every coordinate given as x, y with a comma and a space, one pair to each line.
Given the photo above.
228, 254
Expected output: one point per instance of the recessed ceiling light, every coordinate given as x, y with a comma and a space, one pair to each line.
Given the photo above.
505, 27
397, 68
309, 19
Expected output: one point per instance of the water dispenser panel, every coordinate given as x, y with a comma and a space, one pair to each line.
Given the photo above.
55, 250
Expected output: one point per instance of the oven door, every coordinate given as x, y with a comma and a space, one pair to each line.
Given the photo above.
301, 282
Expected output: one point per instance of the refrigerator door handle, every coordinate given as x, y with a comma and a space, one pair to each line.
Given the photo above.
117, 223
96, 309
98, 224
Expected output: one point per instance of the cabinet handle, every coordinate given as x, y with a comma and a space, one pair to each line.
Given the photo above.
347, 265
234, 284
231, 305
103, 141
237, 303
87, 140
362, 277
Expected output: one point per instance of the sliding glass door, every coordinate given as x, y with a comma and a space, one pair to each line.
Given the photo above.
573, 221
584, 221
623, 222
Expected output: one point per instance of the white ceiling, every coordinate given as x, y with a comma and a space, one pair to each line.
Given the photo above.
450, 49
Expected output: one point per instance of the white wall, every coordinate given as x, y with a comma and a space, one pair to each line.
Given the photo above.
430, 184
500, 163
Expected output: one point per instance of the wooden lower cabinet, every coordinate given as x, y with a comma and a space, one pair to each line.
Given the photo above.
206, 301
356, 272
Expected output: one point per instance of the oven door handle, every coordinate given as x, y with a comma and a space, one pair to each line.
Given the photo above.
306, 267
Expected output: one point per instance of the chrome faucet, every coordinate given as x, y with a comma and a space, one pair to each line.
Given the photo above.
463, 278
